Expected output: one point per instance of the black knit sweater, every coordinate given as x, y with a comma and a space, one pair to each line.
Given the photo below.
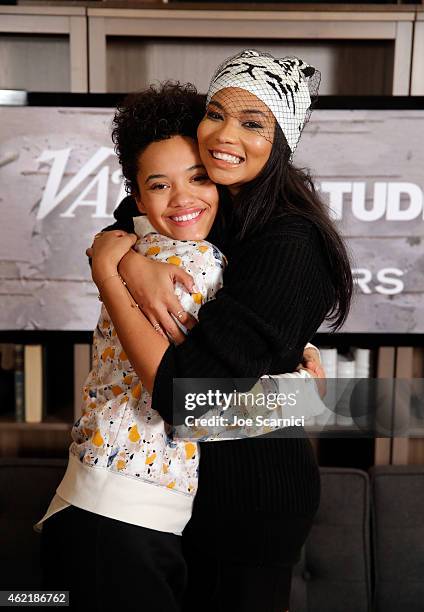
277, 292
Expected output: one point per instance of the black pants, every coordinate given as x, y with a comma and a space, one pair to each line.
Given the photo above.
242, 563
223, 585
108, 564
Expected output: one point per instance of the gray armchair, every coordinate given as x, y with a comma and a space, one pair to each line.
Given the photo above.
365, 552
397, 514
334, 573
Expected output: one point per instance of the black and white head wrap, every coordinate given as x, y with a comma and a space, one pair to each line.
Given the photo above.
285, 86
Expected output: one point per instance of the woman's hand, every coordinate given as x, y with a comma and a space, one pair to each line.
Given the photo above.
151, 284
312, 363
107, 250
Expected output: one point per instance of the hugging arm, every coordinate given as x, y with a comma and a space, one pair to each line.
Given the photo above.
160, 284
259, 322
275, 296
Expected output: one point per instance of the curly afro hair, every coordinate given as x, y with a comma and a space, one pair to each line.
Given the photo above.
157, 113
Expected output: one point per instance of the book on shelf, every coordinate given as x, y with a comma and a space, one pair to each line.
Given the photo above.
363, 362
342, 370
36, 380
329, 363
345, 384
402, 404
19, 383
417, 400
398, 401
7, 369
385, 370
33, 383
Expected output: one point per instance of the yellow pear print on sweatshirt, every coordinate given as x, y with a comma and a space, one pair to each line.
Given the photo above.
197, 298
97, 438
136, 391
117, 390
133, 435
127, 379
174, 260
190, 450
153, 250
120, 464
150, 459
202, 248
171, 485
123, 356
165, 468
108, 352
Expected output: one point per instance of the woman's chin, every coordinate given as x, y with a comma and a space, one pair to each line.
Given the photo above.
223, 177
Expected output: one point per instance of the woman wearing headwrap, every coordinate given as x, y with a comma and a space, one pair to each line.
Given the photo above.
288, 271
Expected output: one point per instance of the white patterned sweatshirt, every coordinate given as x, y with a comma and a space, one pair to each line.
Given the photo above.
122, 462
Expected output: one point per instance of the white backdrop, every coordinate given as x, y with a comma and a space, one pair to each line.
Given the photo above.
60, 182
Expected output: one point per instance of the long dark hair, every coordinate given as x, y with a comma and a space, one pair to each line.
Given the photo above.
282, 189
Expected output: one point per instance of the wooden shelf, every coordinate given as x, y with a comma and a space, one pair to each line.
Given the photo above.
50, 438
336, 431
415, 433
8, 424
332, 428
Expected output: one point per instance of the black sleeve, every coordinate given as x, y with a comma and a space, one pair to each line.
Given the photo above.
123, 214
271, 304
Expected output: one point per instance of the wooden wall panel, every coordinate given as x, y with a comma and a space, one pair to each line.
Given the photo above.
133, 62
34, 62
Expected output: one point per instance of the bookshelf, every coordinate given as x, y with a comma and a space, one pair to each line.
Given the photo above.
66, 357
49, 434
397, 359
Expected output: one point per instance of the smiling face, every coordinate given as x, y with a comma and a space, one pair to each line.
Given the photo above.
175, 191
235, 137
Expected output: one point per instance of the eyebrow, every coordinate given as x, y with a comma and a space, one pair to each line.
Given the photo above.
245, 111
156, 176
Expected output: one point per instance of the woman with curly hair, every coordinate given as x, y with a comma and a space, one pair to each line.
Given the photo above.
287, 272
